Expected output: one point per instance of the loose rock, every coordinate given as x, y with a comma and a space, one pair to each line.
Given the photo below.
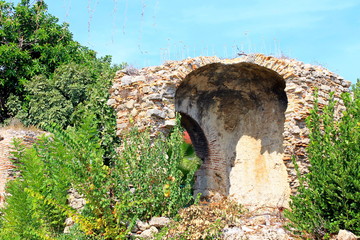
149, 233
159, 222
142, 226
346, 235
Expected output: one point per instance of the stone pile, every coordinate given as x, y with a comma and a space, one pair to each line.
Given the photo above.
147, 230
145, 98
77, 202
258, 227
270, 225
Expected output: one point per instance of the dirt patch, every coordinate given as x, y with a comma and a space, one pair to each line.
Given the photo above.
7, 135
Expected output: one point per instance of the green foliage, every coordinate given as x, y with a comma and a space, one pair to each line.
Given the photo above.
46, 77
58, 98
143, 181
190, 160
97, 95
47, 104
150, 168
73, 91
329, 196
32, 43
29, 214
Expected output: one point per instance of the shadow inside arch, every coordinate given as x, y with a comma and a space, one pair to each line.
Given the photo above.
235, 117
197, 136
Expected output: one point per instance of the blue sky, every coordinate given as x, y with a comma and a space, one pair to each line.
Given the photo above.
148, 32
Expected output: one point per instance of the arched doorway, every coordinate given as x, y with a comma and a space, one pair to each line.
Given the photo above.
235, 117
197, 136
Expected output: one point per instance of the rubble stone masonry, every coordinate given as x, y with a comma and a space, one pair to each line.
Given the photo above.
235, 129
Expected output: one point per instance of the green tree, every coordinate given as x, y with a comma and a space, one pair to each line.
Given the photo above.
329, 195
55, 98
73, 91
32, 42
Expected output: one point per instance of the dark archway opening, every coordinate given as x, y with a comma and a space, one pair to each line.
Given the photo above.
197, 136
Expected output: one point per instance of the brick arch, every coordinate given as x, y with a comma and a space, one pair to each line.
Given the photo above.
197, 136
239, 109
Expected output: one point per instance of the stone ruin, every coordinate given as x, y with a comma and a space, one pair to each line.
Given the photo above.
245, 116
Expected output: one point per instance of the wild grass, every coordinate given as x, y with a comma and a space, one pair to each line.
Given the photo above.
16, 125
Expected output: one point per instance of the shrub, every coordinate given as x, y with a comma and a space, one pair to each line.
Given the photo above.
329, 195
143, 181
31, 211
149, 173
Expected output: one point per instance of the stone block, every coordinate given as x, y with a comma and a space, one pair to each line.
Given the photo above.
142, 226
346, 235
159, 222
146, 89
111, 102
170, 123
154, 96
139, 79
149, 233
130, 104
126, 80
156, 112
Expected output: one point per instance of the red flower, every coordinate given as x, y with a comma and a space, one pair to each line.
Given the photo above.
186, 137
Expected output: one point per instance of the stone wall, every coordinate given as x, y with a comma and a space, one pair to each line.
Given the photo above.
149, 98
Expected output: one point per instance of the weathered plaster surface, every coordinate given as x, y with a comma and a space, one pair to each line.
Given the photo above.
240, 108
